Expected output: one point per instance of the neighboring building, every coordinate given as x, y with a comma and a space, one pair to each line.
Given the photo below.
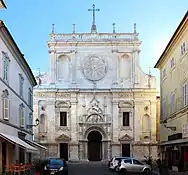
96, 102
173, 66
16, 104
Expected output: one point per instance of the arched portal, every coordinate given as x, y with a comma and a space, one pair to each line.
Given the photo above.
94, 146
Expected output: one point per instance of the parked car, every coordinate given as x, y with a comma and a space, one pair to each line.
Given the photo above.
134, 166
56, 166
113, 163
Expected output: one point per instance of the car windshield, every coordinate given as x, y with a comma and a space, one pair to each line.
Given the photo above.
56, 162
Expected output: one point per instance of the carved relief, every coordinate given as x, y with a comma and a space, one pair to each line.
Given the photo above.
50, 95
5, 93
94, 118
62, 104
63, 137
125, 95
94, 68
125, 104
125, 137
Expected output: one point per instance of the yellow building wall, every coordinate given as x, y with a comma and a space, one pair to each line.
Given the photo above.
174, 80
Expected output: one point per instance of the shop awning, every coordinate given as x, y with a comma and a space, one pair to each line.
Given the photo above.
16, 140
36, 144
175, 141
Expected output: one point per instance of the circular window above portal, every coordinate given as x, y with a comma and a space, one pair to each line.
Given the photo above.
94, 68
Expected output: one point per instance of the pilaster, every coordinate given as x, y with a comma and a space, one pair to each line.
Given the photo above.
52, 66
74, 128
73, 67
115, 117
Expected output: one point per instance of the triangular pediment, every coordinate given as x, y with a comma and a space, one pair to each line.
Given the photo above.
125, 137
63, 137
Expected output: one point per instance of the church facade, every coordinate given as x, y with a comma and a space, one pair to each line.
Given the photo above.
95, 102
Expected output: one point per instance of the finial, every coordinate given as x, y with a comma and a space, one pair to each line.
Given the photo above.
39, 72
53, 28
114, 28
73, 28
134, 27
93, 27
150, 71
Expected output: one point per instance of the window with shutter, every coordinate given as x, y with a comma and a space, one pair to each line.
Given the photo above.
21, 83
183, 48
6, 108
22, 118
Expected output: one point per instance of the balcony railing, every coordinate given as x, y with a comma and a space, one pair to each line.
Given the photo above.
94, 37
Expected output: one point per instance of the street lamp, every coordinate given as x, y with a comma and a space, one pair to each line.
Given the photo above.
2, 4
36, 124
173, 128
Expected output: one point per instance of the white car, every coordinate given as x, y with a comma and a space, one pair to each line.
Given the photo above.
134, 166
113, 163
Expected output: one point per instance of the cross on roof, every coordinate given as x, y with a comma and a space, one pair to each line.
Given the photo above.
93, 28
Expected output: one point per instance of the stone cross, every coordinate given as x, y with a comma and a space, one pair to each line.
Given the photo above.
93, 28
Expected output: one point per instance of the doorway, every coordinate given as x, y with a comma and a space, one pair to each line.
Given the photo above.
21, 155
94, 146
125, 148
63, 149
4, 156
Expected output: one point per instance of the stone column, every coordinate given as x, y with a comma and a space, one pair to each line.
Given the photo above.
115, 125
74, 128
52, 66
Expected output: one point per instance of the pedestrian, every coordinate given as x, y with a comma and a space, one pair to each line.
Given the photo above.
159, 165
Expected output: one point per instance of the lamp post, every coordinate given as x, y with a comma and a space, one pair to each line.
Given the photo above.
36, 124
173, 128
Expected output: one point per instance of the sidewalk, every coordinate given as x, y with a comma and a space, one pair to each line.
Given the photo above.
156, 171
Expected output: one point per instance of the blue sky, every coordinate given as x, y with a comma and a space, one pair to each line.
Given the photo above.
30, 21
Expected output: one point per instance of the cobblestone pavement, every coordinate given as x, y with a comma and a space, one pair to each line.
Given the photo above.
90, 169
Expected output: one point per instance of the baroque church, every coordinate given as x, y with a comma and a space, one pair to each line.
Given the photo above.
95, 102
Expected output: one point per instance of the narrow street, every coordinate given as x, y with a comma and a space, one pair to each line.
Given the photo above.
90, 169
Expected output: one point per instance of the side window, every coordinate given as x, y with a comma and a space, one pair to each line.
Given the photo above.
128, 161
136, 162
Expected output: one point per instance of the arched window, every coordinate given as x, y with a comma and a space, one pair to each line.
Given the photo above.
146, 123
42, 125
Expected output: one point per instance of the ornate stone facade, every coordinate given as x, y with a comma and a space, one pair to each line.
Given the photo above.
95, 79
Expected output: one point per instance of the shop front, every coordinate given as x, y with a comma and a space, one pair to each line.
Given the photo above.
13, 150
175, 152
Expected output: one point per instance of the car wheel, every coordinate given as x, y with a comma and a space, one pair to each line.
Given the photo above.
123, 171
116, 168
147, 171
